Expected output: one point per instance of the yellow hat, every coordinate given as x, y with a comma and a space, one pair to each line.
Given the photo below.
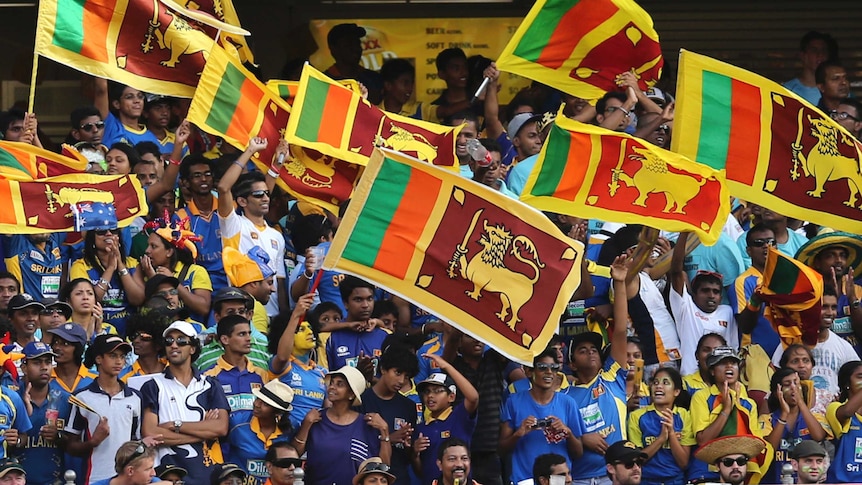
242, 269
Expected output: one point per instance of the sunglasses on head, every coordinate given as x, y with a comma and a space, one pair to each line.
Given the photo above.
742, 460
181, 341
376, 467
258, 194
629, 464
759, 243
88, 127
544, 366
105, 232
287, 462
704, 272
139, 451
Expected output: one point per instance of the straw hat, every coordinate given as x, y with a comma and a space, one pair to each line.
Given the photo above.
354, 378
275, 393
853, 244
718, 448
372, 465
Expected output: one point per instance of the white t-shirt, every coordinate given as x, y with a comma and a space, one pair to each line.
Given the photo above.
829, 356
693, 323
665, 330
240, 233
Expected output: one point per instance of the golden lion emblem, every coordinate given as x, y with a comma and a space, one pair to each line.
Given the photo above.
402, 140
315, 173
175, 37
488, 272
653, 177
824, 161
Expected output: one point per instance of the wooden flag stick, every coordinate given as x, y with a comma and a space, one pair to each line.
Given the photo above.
32, 99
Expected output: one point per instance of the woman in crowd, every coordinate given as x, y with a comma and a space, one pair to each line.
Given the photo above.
844, 419
799, 358
144, 332
373, 472
80, 294
663, 430
270, 423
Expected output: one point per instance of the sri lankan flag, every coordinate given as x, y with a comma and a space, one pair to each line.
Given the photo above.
46, 205
22, 161
141, 43
794, 294
778, 150
491, 266
334, 120
287, 90
592, 172
581, 46
224, 11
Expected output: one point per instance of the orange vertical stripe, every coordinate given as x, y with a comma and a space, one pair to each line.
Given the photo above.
744, 142
246, 113
333, 122
407, 224
7, 216
573, 26
577, 164
97, 21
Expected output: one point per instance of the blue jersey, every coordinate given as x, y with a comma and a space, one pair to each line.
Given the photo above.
344, 346
847, 464
41, 459
248, 448
115, 304
237, 385
38, 269
794, 433
645, 427
454, 422
602, 404
210, 248
763, 333
309, 390
434, 345
335, 451
537, 442
116, 131
13, 414
841, 324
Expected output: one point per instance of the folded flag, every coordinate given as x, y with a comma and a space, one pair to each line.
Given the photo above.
794, 295
23, 161
591, 172
489, 265
224, 11
778, 150
50, 204
334, 120
581, 46
142, 43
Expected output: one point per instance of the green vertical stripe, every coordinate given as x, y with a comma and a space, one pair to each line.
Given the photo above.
226, 99
553, 163
784, 277
69, 25
284, 91
313, 104
542, 29
377, 213
715, 120
8, 160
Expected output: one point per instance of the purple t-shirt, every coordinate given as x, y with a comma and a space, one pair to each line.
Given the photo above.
335, 451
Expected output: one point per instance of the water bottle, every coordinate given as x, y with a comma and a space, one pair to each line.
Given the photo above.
478, 153
53, 411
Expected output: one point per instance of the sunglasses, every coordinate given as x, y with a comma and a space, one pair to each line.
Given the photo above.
759, 243
258, 194
287, 462
728, 462
89, 127
631, 463
105, 232
139, 451
51, 311
166, 293
145, 337
181, 342
375, 467
546, 367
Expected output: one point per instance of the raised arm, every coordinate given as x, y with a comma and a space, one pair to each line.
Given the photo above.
471, 396
493, 126
678, 276
285, 342
225, 198
619, 271
169, 179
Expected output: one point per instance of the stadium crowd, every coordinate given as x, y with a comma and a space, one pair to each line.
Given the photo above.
188, 347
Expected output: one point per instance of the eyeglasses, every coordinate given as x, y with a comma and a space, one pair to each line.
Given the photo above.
201, 175
543, 366
105, 232
89, 127
435, 390
258, 194
842, 115
167, 293
759, 243
181, 342
728, 462
287, 462
139, 451
51, 311
705, 272
631, 463
375, 467
145, 337
611, 109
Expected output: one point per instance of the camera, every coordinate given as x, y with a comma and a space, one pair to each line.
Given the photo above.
543, 423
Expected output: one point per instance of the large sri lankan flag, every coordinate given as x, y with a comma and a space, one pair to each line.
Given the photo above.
337, 121
793, 292
581, 46
141, 43
778, 150
588, 171
231, 103
23, 161
45, 205
489, 265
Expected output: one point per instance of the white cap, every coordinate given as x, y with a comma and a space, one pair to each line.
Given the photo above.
184, 327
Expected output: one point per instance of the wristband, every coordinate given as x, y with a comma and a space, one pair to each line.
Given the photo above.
123, 272
781, 421
726, 415
625, 111
236, 162
272, 173
173, 162
308, 274
384, 439
302, 442
855, 304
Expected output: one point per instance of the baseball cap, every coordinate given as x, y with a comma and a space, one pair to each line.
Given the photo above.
655, 94
520, 120
9, 464
231, 293
341, 31
224, 470
594, 338
51, 303
70, 332
163, 470
720, 353
623, 451
23, 300
185, 327
808, 448
37, 349
438, 379
153, 284
153, 99
105, 344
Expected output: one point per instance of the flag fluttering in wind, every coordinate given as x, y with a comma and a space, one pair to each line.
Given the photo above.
500, 270
581, 46
23, 161
777, 150
793, 292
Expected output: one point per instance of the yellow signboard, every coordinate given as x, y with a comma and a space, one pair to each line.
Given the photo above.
420, 40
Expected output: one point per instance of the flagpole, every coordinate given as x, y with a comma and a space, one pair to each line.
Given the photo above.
32, 99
